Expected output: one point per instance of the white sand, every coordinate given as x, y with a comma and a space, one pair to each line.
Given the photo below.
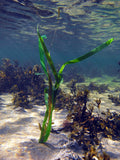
19, 133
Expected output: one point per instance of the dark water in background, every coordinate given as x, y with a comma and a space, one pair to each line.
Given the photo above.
80, 27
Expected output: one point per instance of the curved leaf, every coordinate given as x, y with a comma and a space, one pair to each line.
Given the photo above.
85, 56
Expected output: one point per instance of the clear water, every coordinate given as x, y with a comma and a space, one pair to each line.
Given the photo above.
80, 27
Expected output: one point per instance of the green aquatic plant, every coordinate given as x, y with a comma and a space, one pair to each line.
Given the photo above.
51, 92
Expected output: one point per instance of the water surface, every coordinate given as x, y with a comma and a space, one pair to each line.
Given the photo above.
80, 26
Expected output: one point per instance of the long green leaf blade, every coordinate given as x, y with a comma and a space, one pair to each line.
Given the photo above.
42, 56
85, 56
47, 54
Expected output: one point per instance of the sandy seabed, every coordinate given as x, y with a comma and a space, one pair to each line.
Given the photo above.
19, 132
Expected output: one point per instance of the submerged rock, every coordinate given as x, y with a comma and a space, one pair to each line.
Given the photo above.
67, 155
19, 109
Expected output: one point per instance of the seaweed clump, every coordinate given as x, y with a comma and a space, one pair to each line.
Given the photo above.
115, 99
79, 78
63, 100
93, 154
99, 88
87, 128
20, 99
21, 81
